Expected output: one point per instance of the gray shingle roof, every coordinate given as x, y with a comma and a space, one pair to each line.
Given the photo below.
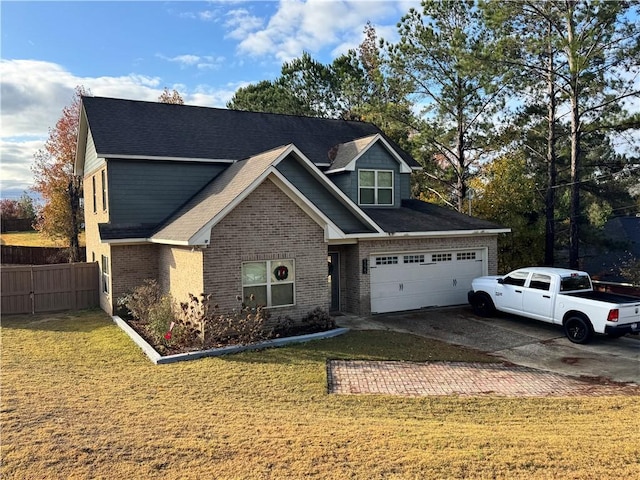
418, 216
215, 197
151, 129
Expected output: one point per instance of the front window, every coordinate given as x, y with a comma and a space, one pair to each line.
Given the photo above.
375, 187
270, 283
517, 278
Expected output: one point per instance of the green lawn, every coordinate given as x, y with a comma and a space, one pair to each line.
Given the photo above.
80, 400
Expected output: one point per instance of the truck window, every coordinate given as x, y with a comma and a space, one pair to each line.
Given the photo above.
516, 278
575, 282
540, 282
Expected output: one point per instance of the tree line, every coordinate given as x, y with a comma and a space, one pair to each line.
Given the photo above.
524, 113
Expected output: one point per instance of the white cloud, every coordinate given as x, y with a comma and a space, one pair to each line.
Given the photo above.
241, 23
33, 94
315, 24
206, 62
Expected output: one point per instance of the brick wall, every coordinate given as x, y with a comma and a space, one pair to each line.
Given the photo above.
95, 249
268, 225
180, 271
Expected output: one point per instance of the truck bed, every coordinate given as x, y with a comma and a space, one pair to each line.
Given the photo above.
604, 297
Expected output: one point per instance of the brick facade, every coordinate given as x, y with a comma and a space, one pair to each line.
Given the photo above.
267, 225
96, 249
180, 271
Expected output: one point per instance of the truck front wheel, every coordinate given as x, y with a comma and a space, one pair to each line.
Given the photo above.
578, 329
482, 305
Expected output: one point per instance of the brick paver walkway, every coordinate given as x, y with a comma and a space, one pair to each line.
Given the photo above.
457, 378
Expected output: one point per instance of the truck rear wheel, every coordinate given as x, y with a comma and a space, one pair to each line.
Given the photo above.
578, 329
482, 305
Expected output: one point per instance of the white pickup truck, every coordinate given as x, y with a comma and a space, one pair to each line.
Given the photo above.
560, 296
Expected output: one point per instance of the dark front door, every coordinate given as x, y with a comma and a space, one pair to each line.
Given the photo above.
334, 280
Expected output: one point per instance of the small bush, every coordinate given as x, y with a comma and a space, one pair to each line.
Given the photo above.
142, 300
202, 319
160, 317
319, 318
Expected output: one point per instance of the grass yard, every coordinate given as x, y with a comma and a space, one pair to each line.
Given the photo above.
33, 239
80, 400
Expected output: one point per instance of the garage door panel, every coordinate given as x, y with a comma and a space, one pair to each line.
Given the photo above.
407, 281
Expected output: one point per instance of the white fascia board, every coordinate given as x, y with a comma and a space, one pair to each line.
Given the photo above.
172, 159
404, 167
322, 178
331, 230
81, 144
444, 233
126, 241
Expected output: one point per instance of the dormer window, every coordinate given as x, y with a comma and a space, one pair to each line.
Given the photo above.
375, 187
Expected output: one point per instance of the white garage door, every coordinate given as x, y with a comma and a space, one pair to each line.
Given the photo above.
406, 281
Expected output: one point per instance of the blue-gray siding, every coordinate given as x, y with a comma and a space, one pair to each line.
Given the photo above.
149, 191
376, 158
321, 197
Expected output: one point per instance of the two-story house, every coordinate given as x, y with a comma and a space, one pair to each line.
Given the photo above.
297, 212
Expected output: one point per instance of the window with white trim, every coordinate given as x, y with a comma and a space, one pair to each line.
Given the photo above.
375, 187
104, 190
386, 260
270, 283
414, 259
466, 256
105, 274
93, 191
441, 257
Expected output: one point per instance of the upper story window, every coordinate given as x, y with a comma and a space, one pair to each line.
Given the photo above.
93, 193
104, 189
375, 187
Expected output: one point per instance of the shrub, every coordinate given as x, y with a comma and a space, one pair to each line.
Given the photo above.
201, 319
141, 301
319, 318
160, 317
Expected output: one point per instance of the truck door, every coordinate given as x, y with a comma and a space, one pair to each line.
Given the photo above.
509, 291
537, 300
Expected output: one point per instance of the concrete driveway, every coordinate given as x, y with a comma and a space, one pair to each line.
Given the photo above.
518, 340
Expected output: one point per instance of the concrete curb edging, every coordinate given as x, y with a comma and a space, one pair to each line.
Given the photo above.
158, 359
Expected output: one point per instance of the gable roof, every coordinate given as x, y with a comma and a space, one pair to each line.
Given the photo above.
135, 129
346, 154
191, 224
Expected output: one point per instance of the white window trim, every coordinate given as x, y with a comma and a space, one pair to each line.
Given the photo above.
268, 284
376, 187
104, 267
103, 178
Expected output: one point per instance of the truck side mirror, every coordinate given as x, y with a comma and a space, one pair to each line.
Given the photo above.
501, 281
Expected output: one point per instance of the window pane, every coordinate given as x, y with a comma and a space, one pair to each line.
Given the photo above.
282, 271
254, 273
385, 179
282, 294
367, 196
367, 178
259, 296
385, 196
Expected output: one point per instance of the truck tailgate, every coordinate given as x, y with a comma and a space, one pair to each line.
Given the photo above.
629, 313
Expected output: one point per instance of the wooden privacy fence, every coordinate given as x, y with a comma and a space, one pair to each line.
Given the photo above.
49, 288
18, 255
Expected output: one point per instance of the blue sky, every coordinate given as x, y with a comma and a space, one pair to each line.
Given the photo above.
205, 50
